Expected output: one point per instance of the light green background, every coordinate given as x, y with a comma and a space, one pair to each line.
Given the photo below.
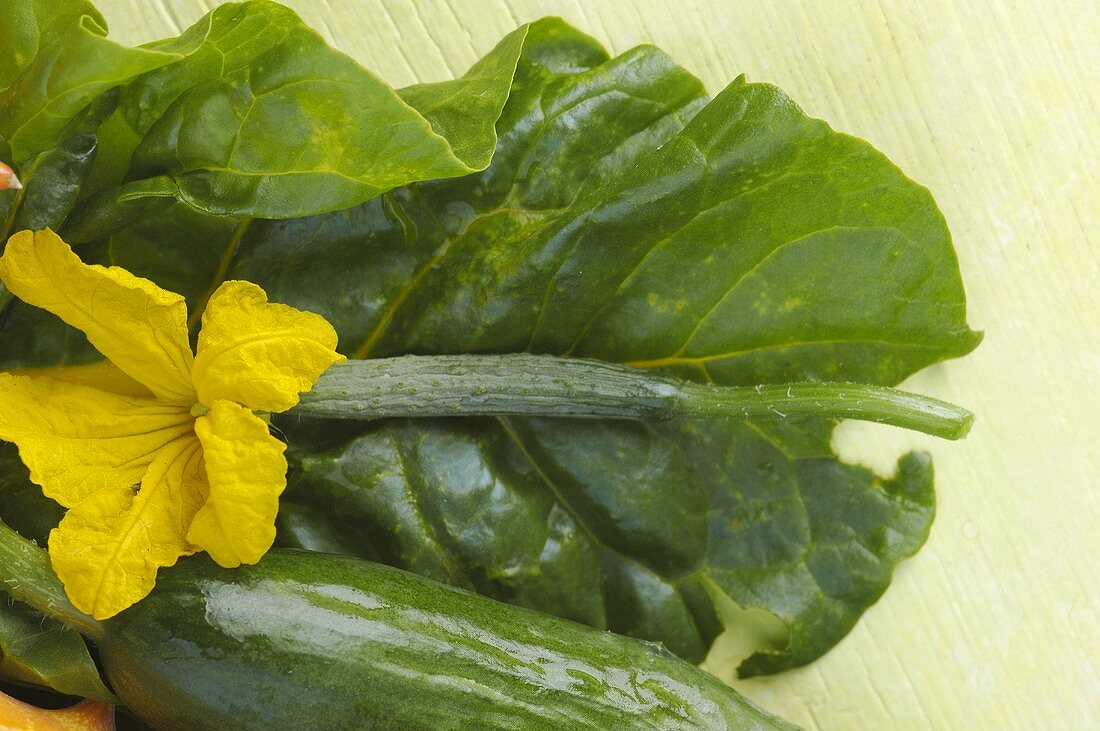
994, 106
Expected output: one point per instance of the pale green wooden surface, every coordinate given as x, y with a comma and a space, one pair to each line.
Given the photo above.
994, 106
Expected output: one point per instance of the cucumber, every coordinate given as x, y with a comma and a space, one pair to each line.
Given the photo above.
314, 641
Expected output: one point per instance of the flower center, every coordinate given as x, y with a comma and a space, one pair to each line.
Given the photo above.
199, 410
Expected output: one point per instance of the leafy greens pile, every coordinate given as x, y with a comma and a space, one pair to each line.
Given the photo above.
552, 200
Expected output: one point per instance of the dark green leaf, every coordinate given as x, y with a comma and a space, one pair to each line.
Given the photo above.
307, 528
589, 128
31, 338
23, 507
43, 652
114, 209
188, 253
115, 142
52, 181
749, 244
454, 501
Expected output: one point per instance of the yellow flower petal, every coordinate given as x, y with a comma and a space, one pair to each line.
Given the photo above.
108, 548
258, 353
103, 375
140, 327
77, 440
246, 472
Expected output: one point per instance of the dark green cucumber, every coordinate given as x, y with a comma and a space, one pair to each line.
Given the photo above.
314, 641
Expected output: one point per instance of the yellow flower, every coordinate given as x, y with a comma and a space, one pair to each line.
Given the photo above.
157, 454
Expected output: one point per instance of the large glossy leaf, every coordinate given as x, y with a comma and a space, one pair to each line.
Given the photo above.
260, 117
750, 245
625, 217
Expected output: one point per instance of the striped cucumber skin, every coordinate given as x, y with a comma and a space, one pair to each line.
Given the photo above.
313, 641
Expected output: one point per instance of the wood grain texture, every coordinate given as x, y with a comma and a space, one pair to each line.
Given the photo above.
996, 107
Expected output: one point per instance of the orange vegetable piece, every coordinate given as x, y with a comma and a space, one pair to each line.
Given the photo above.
87, 715
8, 178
